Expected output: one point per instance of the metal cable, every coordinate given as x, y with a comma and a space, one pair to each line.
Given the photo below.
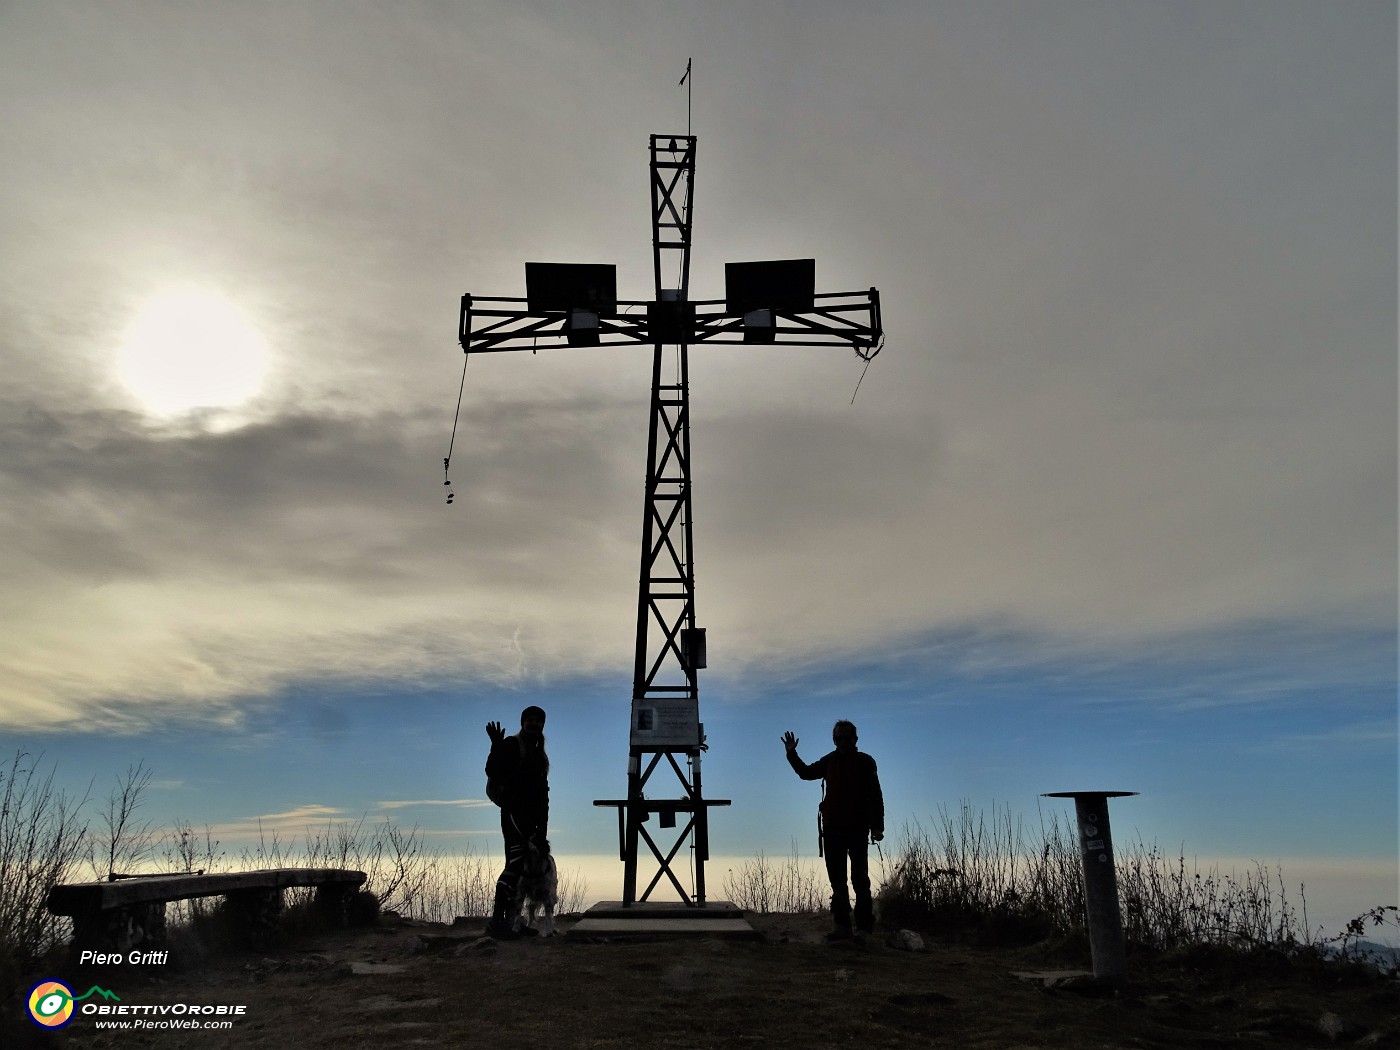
447, 459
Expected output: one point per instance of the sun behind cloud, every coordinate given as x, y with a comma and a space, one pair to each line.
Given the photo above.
190, 348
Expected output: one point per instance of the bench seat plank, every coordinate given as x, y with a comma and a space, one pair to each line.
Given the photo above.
84, 897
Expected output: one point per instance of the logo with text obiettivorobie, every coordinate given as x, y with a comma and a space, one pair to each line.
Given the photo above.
51, 1002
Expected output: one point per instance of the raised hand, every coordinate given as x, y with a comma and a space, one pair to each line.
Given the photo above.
495, 732
789, 741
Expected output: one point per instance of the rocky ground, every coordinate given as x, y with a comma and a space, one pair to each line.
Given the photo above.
412, 984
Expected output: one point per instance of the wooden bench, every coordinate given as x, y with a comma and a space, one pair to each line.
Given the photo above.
126, 914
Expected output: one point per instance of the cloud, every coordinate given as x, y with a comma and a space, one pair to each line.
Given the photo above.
297, 821
326, 830
1139, 384
206, 569
464, 803
1349, 739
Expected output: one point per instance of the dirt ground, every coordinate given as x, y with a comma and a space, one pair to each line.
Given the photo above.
416, 984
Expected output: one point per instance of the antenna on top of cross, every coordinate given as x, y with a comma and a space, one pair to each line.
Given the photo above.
685, 80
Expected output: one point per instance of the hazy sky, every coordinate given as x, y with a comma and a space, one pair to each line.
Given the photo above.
1116, 506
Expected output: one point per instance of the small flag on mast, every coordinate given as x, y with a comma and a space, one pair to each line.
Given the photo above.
687, 72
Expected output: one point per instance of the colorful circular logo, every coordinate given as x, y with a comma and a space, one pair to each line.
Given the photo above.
51, 1004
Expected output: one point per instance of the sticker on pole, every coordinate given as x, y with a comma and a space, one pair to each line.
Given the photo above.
666, 723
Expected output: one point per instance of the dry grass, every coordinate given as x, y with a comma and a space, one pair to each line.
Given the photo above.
407, 878
996, 876
1005, 881
795, 887
1001, 876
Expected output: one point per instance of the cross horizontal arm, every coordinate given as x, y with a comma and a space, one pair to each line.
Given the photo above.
499, 323
836, 319
492, 323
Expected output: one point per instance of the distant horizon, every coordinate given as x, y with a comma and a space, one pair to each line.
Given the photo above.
1344, 888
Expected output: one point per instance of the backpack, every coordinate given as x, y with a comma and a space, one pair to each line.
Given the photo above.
495, 791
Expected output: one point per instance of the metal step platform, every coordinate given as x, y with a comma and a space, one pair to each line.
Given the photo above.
663, 919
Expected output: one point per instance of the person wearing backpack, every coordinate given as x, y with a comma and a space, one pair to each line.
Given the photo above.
517, 780
851, 815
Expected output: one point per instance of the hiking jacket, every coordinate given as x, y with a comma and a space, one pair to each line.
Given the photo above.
517, 780
852, 802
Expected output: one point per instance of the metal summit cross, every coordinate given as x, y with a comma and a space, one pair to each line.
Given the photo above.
571, 305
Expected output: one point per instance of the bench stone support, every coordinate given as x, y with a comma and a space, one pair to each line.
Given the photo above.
131, 927
254, 916
331, 903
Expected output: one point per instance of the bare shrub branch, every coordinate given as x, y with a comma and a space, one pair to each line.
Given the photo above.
124, 841
42, 836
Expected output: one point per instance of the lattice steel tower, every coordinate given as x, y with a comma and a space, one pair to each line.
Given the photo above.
572, 305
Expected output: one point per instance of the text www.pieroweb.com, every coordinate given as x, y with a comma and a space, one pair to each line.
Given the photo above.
133, 1017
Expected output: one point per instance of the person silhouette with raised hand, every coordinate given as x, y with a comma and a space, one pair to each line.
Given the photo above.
517, 780
851, 815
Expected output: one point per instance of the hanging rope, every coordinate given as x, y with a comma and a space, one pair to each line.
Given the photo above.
858, 383
867, 358
447, 459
